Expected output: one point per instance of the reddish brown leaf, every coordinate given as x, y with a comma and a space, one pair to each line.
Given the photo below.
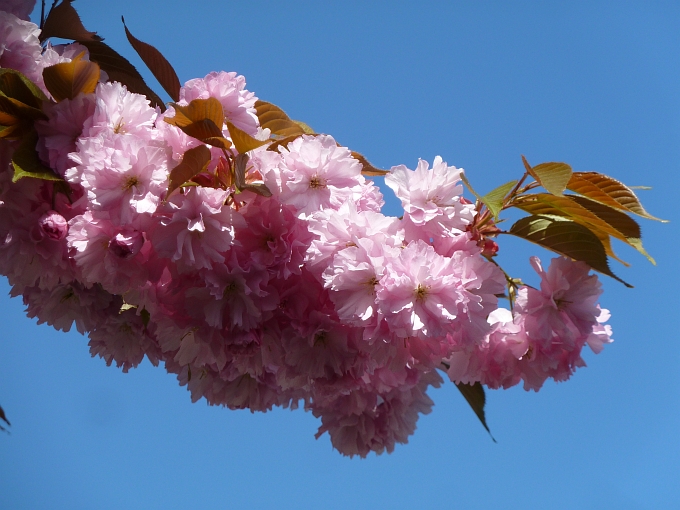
566, 238
602, 220
202, 119
283, 142
202, 130
275, 119
474, 394
305, 127
120, 69
68, 79
63, 21
240, 166
13, 111
367, 168
157, 64
242, 140
193, 162
197, 110
608, 191
607, 244
3, 417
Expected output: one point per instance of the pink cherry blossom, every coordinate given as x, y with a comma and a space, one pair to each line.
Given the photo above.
196, 229
120, 112
19, 45
123, 176
64, 126
229, 89
317, 174
20, 8
432, 197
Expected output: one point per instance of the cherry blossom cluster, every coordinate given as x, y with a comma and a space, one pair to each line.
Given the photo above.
310, 296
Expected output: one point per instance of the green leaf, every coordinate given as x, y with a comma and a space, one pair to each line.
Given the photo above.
27, 164
9, 131
63, 22
15, 111
120, 69
16, 85
608, 191
494, 199
275, 119
469, 186
20, 104
242, 140
552, 176
474, 394
566, 238
193, 163
68, 79
157, 64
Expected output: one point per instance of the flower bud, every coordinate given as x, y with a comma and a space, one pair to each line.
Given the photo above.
53, 225
126, 244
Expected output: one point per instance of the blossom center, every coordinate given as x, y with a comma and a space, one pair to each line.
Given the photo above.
422, 292
230, 289
119, 127
130, 183
317, 183
321, 339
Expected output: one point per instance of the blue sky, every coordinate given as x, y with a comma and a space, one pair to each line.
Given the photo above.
594, 84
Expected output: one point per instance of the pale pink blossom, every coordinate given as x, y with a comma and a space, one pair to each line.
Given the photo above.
120, 112
431, 198
354, 276
495, 362
20, 8
336, 230
229, 89
123, 338
108, 254
565, 308
123, 176
64, 125
196, 229
386, 420
420, 293
602, 333
53, 225
69, 303
317, 174
19, 46
273, 238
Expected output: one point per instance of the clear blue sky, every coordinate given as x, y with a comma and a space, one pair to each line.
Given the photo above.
594, 84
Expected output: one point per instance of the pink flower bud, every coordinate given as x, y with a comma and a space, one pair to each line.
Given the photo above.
126, 244
53, 225
489, 248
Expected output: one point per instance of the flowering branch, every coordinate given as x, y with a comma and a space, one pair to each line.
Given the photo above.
251, 256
